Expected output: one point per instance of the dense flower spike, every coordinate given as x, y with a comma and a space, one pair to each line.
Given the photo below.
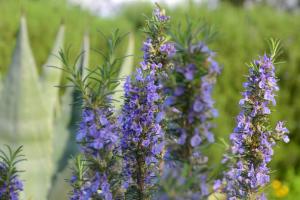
143, 136
190, 109
10, 183
253, 139
99, 138
94, 187
99, 130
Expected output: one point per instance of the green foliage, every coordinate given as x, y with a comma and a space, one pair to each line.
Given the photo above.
9, 176
79, 169
11, 159
98, 84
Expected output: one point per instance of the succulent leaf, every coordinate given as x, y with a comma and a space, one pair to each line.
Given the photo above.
24, 120
61, 186
125, 71
50, 76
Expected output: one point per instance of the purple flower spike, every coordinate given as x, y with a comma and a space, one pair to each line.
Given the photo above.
98, 132
142, 141
189, 110
253, 140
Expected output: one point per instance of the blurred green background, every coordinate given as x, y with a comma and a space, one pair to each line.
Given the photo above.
242, 34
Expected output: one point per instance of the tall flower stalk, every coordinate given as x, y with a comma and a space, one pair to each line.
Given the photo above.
253, 138
10, 183
190, 109
142, 133
97, 171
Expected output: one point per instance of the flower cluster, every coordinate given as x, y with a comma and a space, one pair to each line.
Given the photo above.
10, 183
168, 49
190, 108
97, 132
253, 139
141, 131
94, 187
99, 138
143, 136
161, 15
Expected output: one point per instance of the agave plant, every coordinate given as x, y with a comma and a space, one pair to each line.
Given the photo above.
27, 112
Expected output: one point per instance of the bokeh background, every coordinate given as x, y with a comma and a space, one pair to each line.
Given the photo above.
44, 120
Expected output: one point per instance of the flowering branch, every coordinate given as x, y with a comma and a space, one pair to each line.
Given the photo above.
142, 139
10, 184
253, 138
190, 108
97, 171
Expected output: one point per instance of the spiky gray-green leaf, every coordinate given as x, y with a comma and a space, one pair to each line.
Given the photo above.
24, 120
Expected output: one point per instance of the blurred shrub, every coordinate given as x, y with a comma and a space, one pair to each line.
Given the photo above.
44, 18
